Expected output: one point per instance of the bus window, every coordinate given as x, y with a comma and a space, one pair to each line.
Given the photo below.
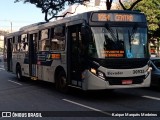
10, 44
58, 38
24, 43
15, 44
19, 43
5, 45
44, 43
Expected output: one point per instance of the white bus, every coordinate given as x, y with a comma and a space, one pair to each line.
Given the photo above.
91, 51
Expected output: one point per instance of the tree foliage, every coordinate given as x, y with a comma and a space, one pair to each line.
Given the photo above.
51, 7
151, 8
131, 6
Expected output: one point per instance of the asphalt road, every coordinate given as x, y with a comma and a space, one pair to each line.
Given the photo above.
41, 97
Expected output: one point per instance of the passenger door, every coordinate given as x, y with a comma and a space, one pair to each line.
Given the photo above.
33, 54
75, 55
9, 54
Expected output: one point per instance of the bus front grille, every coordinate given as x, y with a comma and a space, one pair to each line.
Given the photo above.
119, 81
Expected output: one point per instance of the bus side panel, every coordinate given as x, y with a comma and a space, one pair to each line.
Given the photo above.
21, 59
47, 73
25, 70
40, 72
48, 62
14, 62
5, 60
60, 63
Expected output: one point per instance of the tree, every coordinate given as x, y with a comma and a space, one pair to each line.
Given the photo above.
151, 8
51, 7
132, 5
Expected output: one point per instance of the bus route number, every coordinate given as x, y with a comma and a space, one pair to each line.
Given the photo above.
103, 17
115, 17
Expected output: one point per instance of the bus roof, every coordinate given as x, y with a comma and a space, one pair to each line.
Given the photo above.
82, 16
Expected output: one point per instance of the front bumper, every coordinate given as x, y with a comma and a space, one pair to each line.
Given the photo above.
93, 82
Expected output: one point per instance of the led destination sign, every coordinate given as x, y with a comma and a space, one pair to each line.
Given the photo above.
119, 17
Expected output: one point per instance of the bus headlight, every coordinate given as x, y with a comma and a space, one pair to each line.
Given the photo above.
98, 73
94, 71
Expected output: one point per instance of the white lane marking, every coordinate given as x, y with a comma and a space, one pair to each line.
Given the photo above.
14, 82
91, 108
150, 97
2, 68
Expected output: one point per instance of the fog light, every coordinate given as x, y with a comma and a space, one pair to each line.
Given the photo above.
101, 75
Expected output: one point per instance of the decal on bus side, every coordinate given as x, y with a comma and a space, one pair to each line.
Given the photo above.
56, 56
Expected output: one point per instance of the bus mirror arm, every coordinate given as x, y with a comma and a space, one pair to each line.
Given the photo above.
83, 30
97, 64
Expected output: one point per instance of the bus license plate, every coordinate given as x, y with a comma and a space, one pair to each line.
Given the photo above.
126, 82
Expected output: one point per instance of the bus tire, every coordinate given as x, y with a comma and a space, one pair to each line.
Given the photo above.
19, 73
61, 82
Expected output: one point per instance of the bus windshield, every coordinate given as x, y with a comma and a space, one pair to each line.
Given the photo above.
118, 42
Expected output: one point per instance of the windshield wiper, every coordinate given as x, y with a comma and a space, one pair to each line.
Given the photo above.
129, 53
111, 33
129, 37
134, 30
115, 37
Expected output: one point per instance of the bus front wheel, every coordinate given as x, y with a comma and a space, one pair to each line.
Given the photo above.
61, 82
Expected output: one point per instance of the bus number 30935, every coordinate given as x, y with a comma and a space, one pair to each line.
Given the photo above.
138, 71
